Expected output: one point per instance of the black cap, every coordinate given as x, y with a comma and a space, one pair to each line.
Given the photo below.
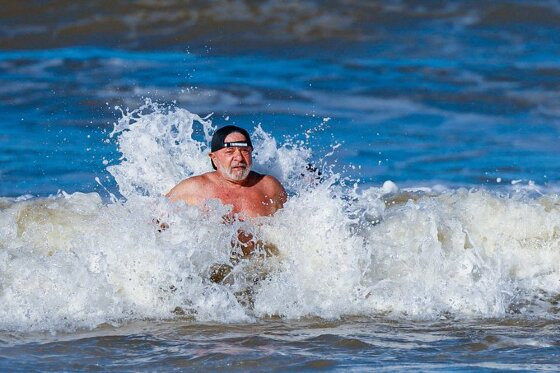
221, 134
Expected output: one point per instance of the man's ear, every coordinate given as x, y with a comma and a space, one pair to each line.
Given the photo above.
212, 157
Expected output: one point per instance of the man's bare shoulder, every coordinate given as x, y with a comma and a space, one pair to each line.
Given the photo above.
271, 182
192, 189
274, 188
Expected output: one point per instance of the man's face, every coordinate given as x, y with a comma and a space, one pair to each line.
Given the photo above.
233, 163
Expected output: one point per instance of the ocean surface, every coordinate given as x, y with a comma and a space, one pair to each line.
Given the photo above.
419, 143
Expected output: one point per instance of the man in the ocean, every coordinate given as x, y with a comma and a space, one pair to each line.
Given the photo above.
233, 183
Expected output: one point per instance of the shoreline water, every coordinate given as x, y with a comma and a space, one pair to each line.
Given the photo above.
306, 344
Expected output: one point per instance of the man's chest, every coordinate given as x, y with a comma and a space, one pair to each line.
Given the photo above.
250, 202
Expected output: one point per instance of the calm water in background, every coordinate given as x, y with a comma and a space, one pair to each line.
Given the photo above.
460, 94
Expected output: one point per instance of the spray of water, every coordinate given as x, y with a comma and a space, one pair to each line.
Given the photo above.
74, 260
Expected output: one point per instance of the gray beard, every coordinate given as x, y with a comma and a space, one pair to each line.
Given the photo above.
236, 177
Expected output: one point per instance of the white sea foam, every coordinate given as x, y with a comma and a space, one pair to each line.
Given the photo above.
73, 260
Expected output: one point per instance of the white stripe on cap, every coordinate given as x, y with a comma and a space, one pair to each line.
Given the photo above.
235, 143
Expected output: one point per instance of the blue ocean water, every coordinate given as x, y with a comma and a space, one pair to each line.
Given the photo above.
457, 100
456, 120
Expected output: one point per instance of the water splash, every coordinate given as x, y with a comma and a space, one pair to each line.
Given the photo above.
72, 260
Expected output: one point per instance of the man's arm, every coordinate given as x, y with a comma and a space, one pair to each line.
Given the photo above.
276, 191
187, 191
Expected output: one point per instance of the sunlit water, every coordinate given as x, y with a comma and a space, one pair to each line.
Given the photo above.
453, 264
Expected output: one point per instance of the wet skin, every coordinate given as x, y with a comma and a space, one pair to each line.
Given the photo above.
250, 195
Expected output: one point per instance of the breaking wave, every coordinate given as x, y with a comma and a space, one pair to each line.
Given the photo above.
81, 260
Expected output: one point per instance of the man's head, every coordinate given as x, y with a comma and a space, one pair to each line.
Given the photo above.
231, 149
